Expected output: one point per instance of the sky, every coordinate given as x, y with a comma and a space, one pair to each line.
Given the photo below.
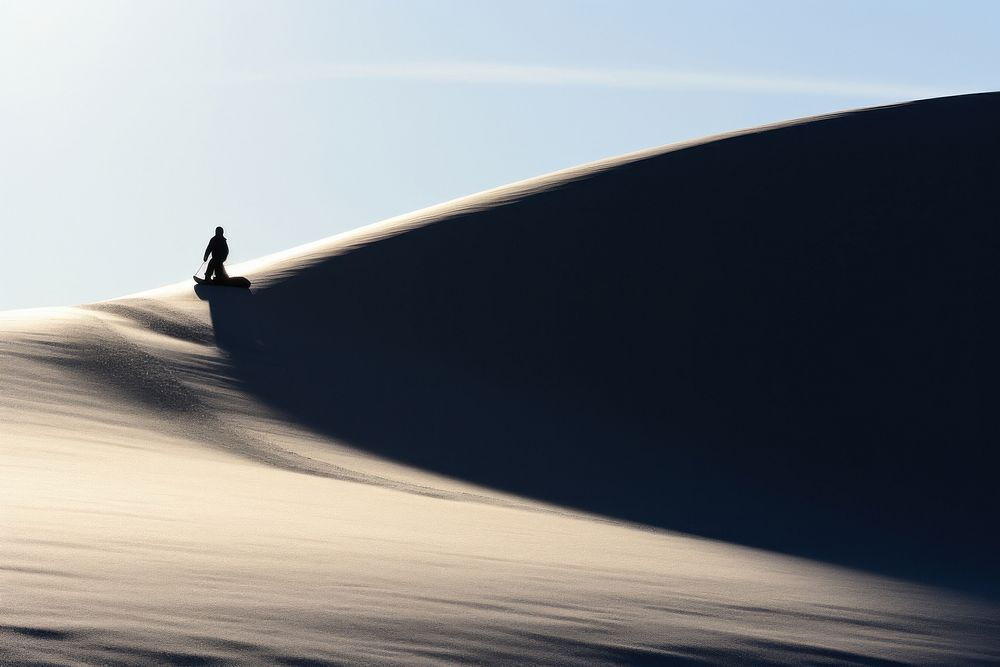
130, 129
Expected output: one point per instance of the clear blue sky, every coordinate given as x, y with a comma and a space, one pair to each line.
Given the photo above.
129, 130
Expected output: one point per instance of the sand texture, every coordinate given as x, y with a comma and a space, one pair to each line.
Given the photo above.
730, 401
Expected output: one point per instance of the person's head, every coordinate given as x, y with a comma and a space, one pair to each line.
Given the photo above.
219, 231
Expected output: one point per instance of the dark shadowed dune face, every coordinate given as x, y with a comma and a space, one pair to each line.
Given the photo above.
785, 338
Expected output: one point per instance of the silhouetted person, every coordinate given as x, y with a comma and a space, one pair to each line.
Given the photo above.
219, 250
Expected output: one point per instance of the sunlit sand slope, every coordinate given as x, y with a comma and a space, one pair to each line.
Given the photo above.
471, 434
154, 514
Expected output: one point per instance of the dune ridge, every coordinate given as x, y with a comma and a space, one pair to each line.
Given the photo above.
805, 309
643, 411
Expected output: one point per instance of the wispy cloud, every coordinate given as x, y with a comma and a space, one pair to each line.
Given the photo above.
638, 79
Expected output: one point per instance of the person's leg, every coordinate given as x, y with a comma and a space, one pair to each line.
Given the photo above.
212, 268
220, 271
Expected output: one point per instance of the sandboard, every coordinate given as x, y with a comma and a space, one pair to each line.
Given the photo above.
233, 281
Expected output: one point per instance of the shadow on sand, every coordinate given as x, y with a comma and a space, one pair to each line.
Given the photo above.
785, 339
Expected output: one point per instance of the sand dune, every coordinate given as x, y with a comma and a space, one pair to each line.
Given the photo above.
728, 401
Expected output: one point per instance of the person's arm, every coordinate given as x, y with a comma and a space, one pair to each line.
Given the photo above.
208, 251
